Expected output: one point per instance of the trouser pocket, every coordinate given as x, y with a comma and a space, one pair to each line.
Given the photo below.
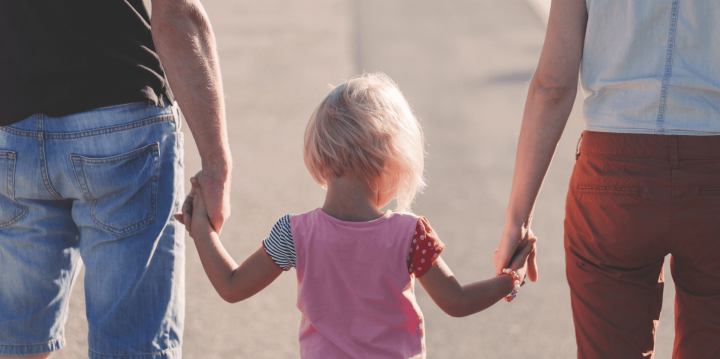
10, 211
122, 189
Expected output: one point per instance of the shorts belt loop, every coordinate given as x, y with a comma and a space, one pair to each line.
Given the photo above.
577, 148
674, 152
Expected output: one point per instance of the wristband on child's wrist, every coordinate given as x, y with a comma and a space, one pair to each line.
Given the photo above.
516, 283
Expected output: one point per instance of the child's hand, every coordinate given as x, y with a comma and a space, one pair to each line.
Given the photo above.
519, 261
199, 224
185, 216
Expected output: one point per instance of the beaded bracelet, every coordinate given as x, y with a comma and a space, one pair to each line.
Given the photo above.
516, 282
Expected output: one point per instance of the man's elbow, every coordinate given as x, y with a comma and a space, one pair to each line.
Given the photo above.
185, 15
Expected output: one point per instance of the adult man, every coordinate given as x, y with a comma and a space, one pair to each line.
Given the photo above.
91, 168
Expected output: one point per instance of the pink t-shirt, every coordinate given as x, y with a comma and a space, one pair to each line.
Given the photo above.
354, 291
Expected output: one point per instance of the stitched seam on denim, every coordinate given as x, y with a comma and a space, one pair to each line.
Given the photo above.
43, 160
156, 178
128, 229
137, 355
119, 158
17, 218
32, 345
103, 131
7, 171
77, 166
10, 170
20, 133
668, 66
57, 136
632, 190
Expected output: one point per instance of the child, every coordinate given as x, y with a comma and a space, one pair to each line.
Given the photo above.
355, 264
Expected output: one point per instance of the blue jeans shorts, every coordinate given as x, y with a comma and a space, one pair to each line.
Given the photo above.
97, 188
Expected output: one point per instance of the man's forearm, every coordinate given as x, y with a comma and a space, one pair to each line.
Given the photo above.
186, 46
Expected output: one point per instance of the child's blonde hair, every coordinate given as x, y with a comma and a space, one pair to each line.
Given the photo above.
365, 128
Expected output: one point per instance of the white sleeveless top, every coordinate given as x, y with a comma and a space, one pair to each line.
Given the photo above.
652, 66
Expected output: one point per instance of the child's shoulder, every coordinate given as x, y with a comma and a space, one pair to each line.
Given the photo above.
407, 214
421, 220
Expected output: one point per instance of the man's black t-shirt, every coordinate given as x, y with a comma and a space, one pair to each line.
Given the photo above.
60, 57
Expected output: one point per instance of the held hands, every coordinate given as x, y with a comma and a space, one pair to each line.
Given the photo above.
216, 197
195, 212
511, 246
519, 262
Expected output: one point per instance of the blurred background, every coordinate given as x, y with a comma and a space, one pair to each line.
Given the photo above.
464, 66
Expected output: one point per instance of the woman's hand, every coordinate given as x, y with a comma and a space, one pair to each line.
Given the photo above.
511, 245
524, 259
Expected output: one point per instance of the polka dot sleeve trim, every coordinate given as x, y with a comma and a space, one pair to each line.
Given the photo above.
425, 248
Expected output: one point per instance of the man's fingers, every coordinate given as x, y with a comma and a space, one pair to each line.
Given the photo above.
195, 185
179, 217
188, 221
217, 222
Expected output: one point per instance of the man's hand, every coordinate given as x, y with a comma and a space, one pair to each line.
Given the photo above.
216, 193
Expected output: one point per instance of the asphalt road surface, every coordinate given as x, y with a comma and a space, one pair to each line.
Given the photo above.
464, 66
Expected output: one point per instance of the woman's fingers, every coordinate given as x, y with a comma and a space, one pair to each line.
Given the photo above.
532, 270
521, 257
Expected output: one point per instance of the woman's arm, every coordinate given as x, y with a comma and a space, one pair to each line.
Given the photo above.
550, 99
462, 300
234, 283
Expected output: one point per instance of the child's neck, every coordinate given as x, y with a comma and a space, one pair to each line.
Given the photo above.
350, 199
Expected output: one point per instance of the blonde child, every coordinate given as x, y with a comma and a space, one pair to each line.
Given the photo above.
356, 266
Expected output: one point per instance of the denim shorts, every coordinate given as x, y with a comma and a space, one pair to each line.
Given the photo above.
97, 188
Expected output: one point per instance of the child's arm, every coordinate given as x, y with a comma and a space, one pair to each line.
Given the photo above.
234, 283
462, 300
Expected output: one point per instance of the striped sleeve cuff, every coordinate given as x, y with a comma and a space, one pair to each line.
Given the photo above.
279, 245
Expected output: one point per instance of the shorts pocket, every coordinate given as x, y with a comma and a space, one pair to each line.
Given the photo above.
122, 189
611, 190
10, 211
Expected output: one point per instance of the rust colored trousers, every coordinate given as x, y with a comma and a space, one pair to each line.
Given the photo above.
633, 199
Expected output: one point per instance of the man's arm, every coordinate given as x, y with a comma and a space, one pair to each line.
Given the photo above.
185, 44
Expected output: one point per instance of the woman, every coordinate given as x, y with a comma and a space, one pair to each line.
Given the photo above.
647, 178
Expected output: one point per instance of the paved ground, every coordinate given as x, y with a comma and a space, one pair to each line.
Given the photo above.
464, 66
